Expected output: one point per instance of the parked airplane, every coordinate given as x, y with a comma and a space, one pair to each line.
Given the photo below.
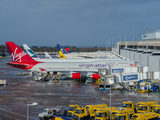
61, 49
61, 55
47, 55
98, 54
73, 68
32, 54
67, 49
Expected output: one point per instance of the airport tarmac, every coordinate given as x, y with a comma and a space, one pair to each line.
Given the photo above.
14, 98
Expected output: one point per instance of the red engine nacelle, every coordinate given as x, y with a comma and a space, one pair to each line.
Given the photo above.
76, 75
95, 76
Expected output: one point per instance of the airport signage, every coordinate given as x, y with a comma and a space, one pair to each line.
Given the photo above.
132, 77
118, 70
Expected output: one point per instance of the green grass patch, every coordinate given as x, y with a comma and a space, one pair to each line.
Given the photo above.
5, 57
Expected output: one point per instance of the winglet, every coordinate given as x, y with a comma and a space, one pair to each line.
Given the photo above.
61, 55
61, 49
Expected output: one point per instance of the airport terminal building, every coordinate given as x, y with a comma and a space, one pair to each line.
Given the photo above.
145, 52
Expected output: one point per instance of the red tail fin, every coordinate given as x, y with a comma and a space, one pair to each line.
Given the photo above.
17, 54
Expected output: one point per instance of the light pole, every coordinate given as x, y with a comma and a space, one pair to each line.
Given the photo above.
33, 104
125, 44
109, 44
147, 56
114, 41
120, 45
146, 46
133, 45
106, 45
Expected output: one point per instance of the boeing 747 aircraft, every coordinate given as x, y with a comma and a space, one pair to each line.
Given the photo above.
73, 68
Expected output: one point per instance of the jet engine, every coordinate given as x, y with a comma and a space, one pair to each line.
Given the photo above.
75, 75
94, 76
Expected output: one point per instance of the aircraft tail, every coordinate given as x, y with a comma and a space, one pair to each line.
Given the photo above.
61, 49
61, 55
47, 55
17, 54
29, 51
67, 49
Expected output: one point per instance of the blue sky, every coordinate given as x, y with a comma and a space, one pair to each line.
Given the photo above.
76, 22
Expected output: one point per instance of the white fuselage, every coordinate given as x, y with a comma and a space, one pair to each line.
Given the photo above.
79, 65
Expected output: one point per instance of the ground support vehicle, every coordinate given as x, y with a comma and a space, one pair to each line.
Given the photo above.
126, 111
144, 116
136, 116
104, 113
145, 106
156, 109
87, 112
155, 106
63, 117
3, 82
122, 116
99, 81
49, 113
80, 114
144, 89
101, 87
71, 109
128, 105
103, 109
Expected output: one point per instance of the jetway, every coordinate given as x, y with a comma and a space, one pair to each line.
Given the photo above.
141, 57
129, 76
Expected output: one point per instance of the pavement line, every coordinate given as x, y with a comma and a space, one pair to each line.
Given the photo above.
13, 113
127, 95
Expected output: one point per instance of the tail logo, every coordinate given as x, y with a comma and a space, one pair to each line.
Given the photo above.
17, 57
29, 53
61, 50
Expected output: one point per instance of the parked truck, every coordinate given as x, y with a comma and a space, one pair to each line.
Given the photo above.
71, 109
87, 112
144, 116
103, 114
156, 109
128, 105
49, 113
126, 111
140, 106
145, 106
136, 116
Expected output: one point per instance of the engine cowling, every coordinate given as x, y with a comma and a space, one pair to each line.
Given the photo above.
75, 75
96, 76
93, 75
